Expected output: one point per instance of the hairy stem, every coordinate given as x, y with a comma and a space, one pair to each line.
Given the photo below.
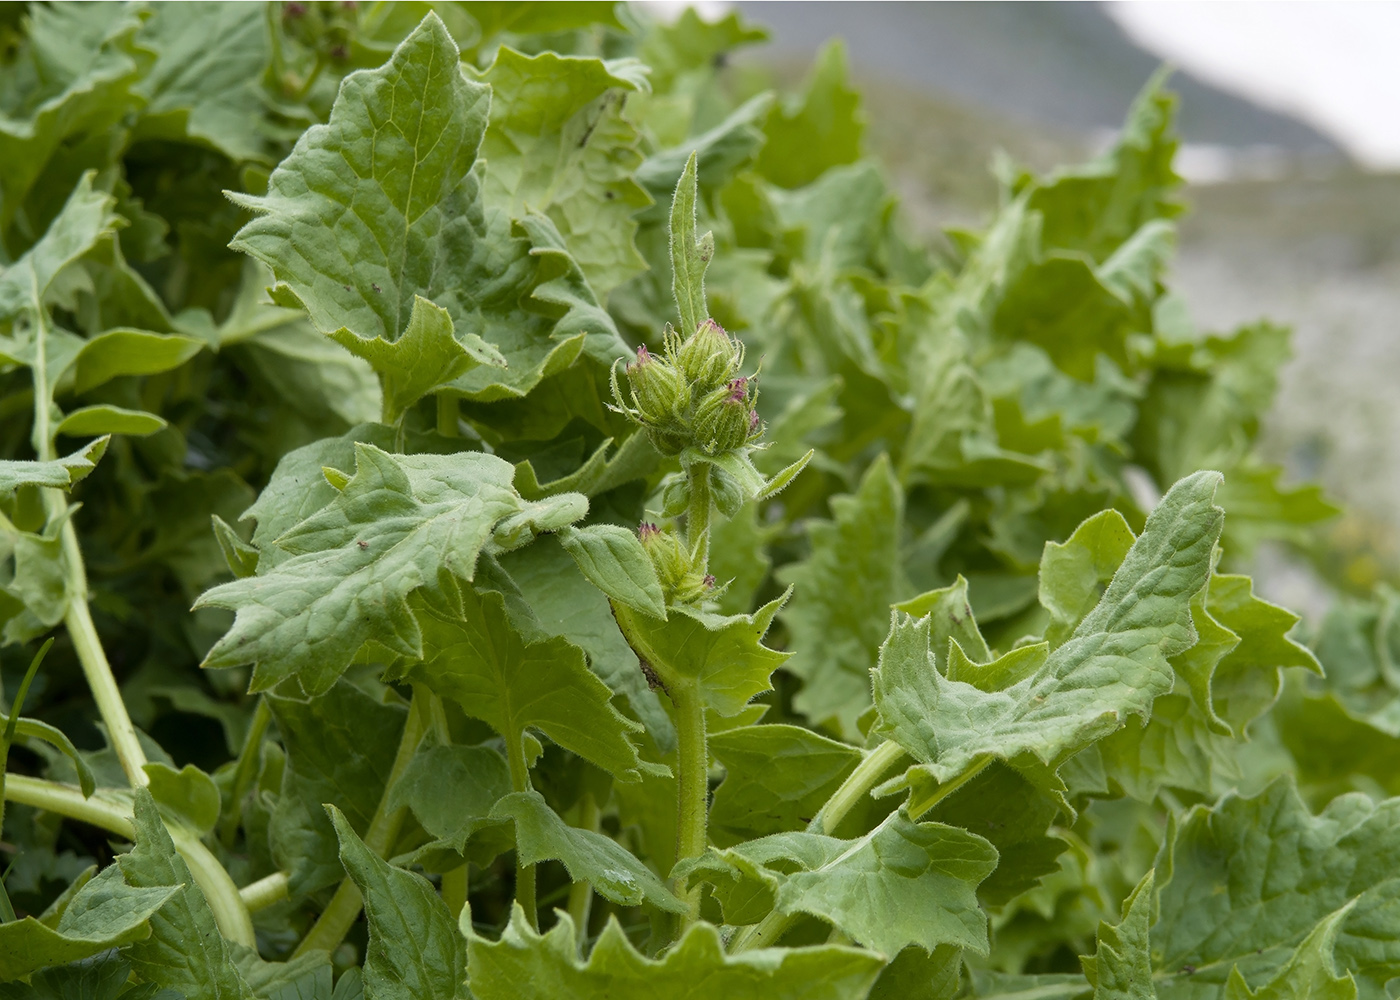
692, 785
949, 787
218, 888
265, 891
525, 893
344, 908
248, 760
856, 786
697, 518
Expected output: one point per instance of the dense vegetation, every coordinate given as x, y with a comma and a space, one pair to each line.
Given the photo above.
624, 560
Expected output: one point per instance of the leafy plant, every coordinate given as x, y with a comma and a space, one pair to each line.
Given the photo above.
622, 559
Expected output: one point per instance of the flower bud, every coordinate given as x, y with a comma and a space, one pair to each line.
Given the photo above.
725, 418
679, 581
709, 358
658, 390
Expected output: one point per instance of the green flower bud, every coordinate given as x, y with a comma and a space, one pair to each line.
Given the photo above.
680, 582
725, 419
709, 358
658, 390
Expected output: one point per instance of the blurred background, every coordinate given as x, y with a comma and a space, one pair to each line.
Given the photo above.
1291, 145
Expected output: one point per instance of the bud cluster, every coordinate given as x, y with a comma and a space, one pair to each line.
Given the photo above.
693, 395
327, 28
675, 567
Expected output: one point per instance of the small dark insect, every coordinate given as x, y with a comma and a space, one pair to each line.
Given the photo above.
1188, 969
347, 288
362, 545
609, 195
374, 286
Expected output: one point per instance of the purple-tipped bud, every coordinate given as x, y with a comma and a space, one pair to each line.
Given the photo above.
709, 580
738, 390
709, 358
294, 10
659, 390
754, 423
647, 531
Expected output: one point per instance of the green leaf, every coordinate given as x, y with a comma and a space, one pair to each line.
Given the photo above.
776, 778
614, 561
822, 129
1121, 968
185, 951
523, 965
399, 147
1289, 871
129, 352
102, 978
566, 604
842, 596
472, 654
901, 884
1114, 663
241, 557
415, 950
105, 913
723, 656
452, 790
1074, 573
559, 142
917, 975
1096, 207
206, 93
85, 63
188, 794
396, 523
612, 870
62, 473
690, 255
340, 748
35, 729
1309, 973
426, 356
107, 420
420, 227
1014, 816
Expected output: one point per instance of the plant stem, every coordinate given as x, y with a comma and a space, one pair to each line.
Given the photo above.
856, 786
248, 760
230, 913
68, 801
697, 518
265, 891
344, 908
98, 671
454, 889
447, 412
949, 787
692, 785
218, 888
525, 893
581, 893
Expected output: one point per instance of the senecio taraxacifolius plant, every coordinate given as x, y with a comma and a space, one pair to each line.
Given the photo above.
542, 656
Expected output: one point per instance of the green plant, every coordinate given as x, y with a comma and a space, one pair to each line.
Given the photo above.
623, 560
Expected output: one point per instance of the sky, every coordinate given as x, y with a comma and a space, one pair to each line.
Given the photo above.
1333, 63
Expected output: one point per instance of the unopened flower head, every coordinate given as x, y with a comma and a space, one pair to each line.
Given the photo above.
709, 357
680, 582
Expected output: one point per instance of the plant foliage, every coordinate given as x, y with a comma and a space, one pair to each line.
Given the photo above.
519, 514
